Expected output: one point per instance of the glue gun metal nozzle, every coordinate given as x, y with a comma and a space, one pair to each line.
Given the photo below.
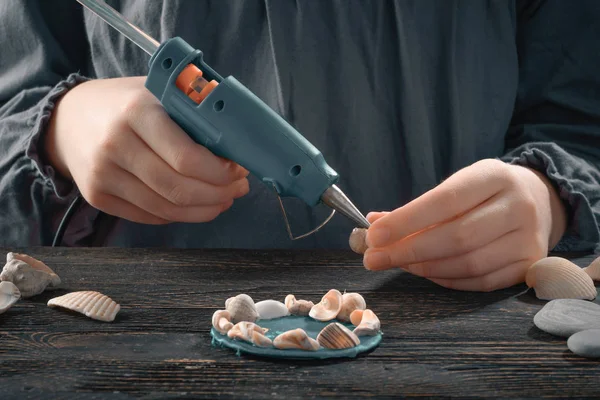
337, 200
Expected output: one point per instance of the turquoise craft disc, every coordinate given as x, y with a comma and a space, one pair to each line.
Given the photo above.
311, 327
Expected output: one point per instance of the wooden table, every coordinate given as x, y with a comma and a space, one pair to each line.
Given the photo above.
437, 342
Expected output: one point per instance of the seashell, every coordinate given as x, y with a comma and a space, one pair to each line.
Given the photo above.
337, 336
92, 304
221, 321
241, 308
271, 309
9, 295
251, 333
296, 339
369, 324
558, 278
350, 302
328, 308
356, 317
298, 307
593, 270
358, 240
31, 276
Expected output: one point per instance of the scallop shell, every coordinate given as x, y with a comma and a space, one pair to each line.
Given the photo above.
31, 276
356, 317
9, 295
221, 321
328, 308
358, 240
271, 309
251, 333
369, 324
337, 336
558, 278
298, 307
296, 339
92, 304
241, 308
350, 302
593, 270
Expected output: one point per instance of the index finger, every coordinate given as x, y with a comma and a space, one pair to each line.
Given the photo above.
458, 194
154, 126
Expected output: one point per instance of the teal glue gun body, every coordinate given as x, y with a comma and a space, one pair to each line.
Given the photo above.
228, 119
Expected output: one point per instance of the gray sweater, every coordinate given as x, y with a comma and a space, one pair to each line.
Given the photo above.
397, 95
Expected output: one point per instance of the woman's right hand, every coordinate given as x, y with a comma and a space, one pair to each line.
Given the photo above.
129, 159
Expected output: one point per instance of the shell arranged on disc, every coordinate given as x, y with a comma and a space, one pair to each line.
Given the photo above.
251, 333
241, 308
369, 324
270, 309
92, 304
221, 321
558, 278
337, 336
298, 307
350, 302
296, 339
9, 295
329, 306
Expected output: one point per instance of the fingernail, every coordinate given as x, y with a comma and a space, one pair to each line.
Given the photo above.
376, 260
378, 237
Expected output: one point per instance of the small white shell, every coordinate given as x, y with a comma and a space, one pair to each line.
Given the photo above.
9, 295
337, 336
593, 270
298, 307
271, 309
369, 324
221, 321
92, 304
350, 302
357, 240
251, 333
296, 339
31, 276
558, 278
241, 308
328, 308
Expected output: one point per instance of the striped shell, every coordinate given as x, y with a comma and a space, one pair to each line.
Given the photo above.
337, 336
558, 278
94, 305
593, 270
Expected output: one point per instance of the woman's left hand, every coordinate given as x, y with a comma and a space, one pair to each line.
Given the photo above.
479, 230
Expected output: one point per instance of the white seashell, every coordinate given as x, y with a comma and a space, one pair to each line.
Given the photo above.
31, 276
593, 270
369, 324
271, 309
298, 307
350, 302
221, 321
337, 336
558, 278
251, 333
328, 308
94, 305
242, 308
358, 240
9, 295
356, 317
296, 339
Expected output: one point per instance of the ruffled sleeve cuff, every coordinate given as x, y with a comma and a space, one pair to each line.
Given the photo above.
573, 180
62, 187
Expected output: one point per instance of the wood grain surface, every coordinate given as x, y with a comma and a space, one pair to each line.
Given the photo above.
437, 342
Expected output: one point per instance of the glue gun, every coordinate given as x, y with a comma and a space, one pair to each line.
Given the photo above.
224, 116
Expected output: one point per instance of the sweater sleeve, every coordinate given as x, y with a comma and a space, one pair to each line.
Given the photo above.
43, 44
556, 123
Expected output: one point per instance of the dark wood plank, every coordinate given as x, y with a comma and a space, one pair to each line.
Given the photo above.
437, 342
